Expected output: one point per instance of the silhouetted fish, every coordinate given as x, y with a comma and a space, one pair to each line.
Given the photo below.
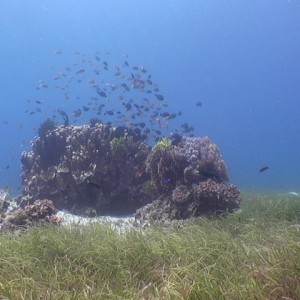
265, 168
80, 71
94, 184
159, 97
101, 93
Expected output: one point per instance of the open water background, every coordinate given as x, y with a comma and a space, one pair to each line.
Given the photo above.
241, 59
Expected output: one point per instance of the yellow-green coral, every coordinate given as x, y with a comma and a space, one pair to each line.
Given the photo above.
165, 143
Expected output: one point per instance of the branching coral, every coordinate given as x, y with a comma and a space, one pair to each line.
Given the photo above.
213, 197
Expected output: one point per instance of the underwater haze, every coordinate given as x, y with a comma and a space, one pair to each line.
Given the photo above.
231, 67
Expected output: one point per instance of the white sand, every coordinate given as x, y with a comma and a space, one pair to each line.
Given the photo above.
120, 223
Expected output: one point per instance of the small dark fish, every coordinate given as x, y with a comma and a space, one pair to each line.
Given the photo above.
77, 113
126, 63
64, 116
167, 181
165, 114
137, 131
199, 103
187, 128
109, 112
97, 58
94, 184
143, 70
159, 97
125, 86
38, 101
101, 93
80, 71
128, 106
7, 167
85, 108
209, 174
265, 168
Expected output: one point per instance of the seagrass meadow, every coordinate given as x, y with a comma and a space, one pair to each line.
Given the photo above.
251, 254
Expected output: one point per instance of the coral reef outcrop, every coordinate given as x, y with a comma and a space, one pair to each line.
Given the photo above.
191, 178
91, 169
40, 212
98, 169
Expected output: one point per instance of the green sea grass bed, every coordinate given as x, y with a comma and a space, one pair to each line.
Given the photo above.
251, 254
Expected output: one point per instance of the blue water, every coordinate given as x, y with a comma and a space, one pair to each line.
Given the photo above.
239, 58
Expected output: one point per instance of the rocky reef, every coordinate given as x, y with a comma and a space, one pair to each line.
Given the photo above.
38, 213
92, 169
98, 169
13, 217
191, 178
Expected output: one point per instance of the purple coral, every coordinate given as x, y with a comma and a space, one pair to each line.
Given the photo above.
199, 187
213, 197
203, 157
